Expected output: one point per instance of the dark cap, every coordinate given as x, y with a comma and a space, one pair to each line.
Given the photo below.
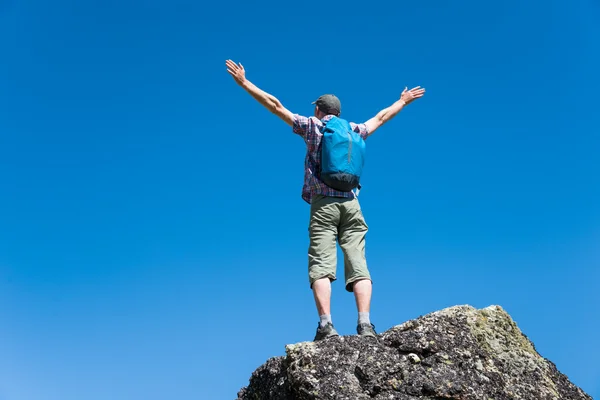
329, 104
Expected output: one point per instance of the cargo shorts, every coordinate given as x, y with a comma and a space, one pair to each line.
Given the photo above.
341, 219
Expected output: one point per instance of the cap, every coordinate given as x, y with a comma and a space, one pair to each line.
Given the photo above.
329, 104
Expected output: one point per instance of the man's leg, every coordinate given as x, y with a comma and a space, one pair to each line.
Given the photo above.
322, 292
362, 294
322, 259
353, 230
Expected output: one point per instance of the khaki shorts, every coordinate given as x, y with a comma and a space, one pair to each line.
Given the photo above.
338, 218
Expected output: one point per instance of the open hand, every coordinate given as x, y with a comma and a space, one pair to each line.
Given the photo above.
409, 96
237, 71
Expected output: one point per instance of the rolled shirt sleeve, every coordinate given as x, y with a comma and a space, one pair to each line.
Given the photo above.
308, 129
361, 129
301, 125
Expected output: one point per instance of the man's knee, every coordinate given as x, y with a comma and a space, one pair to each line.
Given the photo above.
316, 279
351, 282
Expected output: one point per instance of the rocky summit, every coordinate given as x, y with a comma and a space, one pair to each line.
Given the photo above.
458, 353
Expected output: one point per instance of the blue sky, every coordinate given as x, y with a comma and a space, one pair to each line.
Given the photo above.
152, 235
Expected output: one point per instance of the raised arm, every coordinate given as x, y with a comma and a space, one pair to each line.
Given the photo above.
269, 101
383, 116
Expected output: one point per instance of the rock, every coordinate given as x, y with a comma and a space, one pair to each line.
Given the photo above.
458, 353
414, 358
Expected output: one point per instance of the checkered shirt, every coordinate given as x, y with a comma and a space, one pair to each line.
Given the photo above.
310, 130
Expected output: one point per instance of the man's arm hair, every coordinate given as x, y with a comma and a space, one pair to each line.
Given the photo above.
383, 116
269, 101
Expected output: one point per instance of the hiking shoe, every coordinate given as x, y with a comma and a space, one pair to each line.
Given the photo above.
326, 331
367, 330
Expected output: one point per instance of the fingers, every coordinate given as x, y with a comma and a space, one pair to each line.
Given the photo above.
231, 65
416, 92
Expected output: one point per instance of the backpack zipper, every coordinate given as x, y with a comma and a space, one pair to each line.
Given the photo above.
349, 146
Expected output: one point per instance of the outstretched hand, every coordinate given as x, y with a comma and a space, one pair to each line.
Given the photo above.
236, 71
408, 96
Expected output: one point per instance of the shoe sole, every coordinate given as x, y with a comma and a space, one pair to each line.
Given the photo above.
326, 337
369, 334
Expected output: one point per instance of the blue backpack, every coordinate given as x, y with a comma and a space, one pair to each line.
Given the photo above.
342, 155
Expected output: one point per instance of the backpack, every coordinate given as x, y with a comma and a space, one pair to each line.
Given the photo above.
342, 155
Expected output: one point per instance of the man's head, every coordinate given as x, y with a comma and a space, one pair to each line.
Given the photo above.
326, 105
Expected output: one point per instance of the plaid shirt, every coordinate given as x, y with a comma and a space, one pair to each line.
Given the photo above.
310, 130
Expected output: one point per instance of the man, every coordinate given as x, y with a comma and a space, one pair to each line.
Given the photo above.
333, 214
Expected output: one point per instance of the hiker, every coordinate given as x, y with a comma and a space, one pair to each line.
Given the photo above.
334, 214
